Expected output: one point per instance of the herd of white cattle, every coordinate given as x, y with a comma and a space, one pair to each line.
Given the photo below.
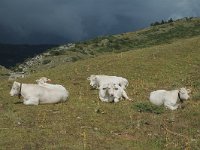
111, 89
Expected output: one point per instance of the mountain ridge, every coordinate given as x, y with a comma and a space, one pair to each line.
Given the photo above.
154, 35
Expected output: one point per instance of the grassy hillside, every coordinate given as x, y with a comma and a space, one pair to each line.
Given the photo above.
156, 35
4, 73
83, 122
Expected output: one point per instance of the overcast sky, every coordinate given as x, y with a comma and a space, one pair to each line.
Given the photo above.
62, 21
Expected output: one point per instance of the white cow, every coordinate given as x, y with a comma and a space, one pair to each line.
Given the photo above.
97, 80
35, 94
169, 98
43, 82
112, 93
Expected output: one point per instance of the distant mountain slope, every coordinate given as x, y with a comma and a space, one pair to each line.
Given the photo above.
12, 54
155, 35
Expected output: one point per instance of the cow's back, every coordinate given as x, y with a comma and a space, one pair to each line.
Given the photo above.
157, 97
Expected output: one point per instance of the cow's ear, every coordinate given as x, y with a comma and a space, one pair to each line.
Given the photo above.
16, 83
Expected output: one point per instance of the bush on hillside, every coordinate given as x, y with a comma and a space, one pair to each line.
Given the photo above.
46, 61
162, 22
147, 107
56, 52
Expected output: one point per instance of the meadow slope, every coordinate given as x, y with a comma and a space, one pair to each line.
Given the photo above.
83, 122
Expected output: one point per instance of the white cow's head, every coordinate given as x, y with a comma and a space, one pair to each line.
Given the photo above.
15, 90
43, 80
183, 93
111, 90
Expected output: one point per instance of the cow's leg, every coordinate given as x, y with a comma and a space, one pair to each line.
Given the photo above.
32, 101
172, 107
125, 95
116, 100
103, 99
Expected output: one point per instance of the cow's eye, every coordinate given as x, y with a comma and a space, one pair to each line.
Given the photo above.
104, 88
116, 88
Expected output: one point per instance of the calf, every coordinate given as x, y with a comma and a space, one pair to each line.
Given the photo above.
170, 99
43, 82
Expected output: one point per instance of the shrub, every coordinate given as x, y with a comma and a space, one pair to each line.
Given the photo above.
46, 61
162, 22
170, 20
91, 53
75, 58
144, 107
56, 52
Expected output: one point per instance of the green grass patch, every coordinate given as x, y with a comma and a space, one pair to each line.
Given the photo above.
147, 107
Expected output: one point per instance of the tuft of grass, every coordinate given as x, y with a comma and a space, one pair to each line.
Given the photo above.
147, 107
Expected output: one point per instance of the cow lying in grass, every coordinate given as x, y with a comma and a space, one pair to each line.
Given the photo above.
43, 82
98, 80
111, 88
111, 92
170, 99
35, 94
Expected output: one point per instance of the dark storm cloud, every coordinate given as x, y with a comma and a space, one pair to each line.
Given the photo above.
58, 21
